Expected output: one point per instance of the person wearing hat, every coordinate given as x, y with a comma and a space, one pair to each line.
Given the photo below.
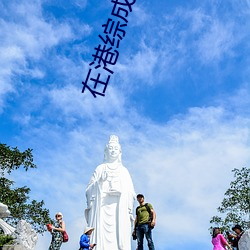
56, 231
84, 240
239, 231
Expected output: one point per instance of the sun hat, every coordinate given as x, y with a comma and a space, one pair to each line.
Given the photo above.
59, 213
87, 229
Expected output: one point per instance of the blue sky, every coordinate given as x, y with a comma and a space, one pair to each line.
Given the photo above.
178, 100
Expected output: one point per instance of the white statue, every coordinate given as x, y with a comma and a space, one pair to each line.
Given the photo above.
25, 235
110, 197
4, 212
244, 242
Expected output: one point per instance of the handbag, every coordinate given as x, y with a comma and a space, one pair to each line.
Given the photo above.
49, 227
65, 236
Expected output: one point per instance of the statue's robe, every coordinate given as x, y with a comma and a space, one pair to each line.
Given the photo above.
110, 197
244, 242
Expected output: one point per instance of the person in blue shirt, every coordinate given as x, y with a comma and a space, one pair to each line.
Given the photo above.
85, 239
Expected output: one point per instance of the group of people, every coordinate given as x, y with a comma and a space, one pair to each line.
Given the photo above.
144, 223
57, 236
110, 200
219, 241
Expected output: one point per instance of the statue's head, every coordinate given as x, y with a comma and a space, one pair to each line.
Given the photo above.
113, 150
4, 211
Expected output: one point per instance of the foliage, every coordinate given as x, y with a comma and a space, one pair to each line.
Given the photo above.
236, 204
12, 159
6, 240
17, 199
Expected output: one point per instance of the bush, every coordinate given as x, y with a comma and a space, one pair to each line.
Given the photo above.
6, 240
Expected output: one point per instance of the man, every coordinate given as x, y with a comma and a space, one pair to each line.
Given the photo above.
143, 224
239, 231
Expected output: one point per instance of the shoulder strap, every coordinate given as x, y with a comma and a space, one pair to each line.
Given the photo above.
60, 223
148, 208
137, 210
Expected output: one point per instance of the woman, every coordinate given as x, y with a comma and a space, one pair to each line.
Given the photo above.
218, 240
84, 240
56, 231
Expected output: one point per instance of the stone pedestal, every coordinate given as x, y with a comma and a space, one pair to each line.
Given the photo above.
13, 247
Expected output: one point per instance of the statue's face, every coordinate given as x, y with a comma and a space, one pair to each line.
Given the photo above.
113, 150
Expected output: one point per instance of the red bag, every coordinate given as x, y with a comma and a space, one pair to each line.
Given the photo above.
49, 227
65, 236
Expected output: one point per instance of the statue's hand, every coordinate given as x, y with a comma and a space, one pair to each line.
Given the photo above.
90, 202
104, 176
132, 217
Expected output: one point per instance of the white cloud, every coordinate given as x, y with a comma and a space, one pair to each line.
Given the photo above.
183, 167
32, 33
80, 3
239, 101
142, 65
198, 19
72, 102
25, 36
139, 16
217, 42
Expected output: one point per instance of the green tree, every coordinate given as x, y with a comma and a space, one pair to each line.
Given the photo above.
235, 207
17, 199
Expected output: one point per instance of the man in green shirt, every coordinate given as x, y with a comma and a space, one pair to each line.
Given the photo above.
144, 223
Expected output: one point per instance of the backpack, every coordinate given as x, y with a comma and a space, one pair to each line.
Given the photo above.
149, 212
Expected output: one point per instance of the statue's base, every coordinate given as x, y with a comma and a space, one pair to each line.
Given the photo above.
13, 247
